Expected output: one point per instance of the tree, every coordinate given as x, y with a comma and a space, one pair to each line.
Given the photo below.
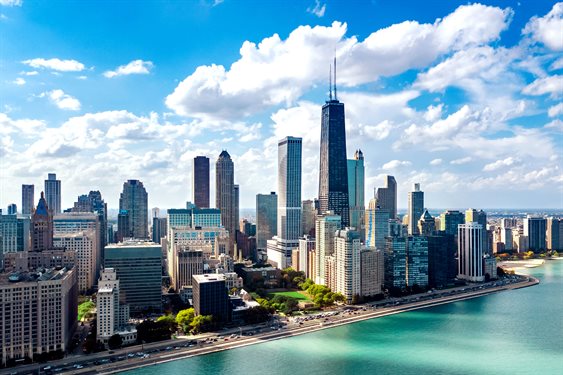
257, 314
151, 331
169, 321
115, 342
185, 317
201, 323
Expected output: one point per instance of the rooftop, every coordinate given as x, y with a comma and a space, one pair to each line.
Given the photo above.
39, 275
209, 278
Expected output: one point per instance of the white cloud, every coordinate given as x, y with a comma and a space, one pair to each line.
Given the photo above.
55, 64
555, 110
557, 64
31, 73
460, 161
378, 132
134, 67
24, 127
318, 10
277, 71
19, 81
499, 164
552, 85
62, 100
548, 29
556, 125
436, 162
394, 164
433, 112
11, 3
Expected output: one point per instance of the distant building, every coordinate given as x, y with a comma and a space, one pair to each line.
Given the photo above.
396, 262
470, 258
12, 209
442, 264
372, 272
271, 276
306, 246
210, 296
225, 195
535, 229
479, 216
308, 217
426, 224
449, 220
159, 229
387, 196
53, 193
266, 218
139, 269
348, 271
28, 199
415, 208
417, 261
39, 313
200, 186
134, 200
554, 233
356, 187
88, 258
183, 265
506, 238
377, 225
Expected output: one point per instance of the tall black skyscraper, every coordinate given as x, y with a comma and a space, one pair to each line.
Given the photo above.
333, 175
201, 182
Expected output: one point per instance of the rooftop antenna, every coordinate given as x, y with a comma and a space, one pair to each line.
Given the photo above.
330, 83
335, 97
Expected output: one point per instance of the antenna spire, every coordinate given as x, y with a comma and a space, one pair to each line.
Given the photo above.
335, 97
330, 82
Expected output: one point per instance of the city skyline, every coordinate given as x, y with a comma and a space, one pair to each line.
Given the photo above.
485, 136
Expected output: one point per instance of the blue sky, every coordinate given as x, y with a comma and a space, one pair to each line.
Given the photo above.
464, 98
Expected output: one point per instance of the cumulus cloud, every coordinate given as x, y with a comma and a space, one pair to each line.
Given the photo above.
55, 64
557, 64
318, 10
552, 85
556, 110
277, 71
25, 127
547, 29
436, 162
11, 3
499, 164
62, 100
460, 161
19, 81
394, 164
134, 67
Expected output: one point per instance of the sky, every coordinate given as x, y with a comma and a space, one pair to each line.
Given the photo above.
463, 98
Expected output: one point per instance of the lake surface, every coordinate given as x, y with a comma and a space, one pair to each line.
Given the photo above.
512, 332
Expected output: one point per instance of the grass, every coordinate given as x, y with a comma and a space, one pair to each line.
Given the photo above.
301, 296
84, 308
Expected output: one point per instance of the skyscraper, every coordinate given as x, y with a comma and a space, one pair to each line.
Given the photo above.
236, 209
289, 202
53, 193
333, 174
449, 220
554, 233
266, 218
347, 254
12, 209
200, 186
426, 224
225, 194
308, 217
28, 198
387, 196
415, 208
42, 227
535, 228
377, 225
356, 193
325, 228
470, 255
134, 200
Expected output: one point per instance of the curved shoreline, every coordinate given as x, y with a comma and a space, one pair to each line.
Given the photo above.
296, 331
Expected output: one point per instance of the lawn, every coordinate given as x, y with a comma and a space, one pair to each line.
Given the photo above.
85, 308
301, 296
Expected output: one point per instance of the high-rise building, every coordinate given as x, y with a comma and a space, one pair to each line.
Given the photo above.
325, 229
506, 238
333, 173
139, 269
415, 208
225, 195
372, 271
200, 186
377, 226
535, 229
442, 264
187, 263
554, 233
236, 210
479, 216
88, 258
53, 193
8, 234
449, 220
308, 217
39, 313
356, 186
158, 229
470, 253
306, 247
266, 218
396, 263
387, 196
28, 199
42, 227
347, 254
210, 296
417, 261
123, 231
426, 224
134, 200
12, 209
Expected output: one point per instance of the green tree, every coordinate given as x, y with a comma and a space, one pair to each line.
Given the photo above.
115, 342
201, 323
169, 321
185, 317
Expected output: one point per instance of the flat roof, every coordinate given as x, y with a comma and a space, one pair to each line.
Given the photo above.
209, 278
39, 275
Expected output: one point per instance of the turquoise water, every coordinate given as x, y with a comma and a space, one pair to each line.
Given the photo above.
514, 332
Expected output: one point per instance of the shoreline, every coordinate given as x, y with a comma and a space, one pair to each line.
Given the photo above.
297, 331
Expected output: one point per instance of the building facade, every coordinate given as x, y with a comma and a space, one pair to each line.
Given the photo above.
53, 193
210, 296
88, 256
387, 196
28, 199
266, 218
200, 186
470, 252
372, 272
134, 200
415, 208
326, 227
225, 195
535, 228
356, 193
